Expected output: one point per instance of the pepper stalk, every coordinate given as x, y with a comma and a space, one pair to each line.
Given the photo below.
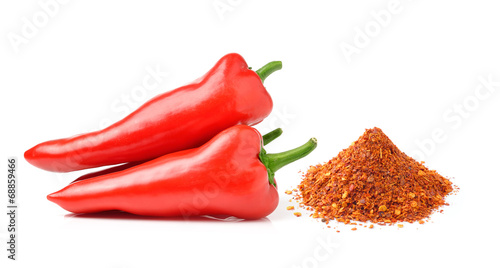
268, 69
269, 137
274, 162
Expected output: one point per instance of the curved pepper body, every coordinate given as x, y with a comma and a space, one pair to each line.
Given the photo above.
222, 177
187, 117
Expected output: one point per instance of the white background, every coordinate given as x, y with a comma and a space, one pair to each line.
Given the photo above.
416, 74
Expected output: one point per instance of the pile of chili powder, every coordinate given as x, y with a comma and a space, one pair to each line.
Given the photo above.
374, 181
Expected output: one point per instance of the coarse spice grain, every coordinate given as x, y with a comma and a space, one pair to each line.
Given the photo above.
374, 181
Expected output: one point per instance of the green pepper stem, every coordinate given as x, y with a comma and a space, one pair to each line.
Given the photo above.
274, 162
279, 160
268, 69
269, 137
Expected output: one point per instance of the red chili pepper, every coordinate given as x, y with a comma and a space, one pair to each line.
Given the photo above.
229, 175
187, 117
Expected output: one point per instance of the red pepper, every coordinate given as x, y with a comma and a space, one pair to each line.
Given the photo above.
229, 175
187, 117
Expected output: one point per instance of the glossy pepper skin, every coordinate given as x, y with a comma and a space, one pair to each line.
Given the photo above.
266, 140
187, 117
229, 175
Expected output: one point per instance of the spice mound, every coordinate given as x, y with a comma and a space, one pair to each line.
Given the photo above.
374, 181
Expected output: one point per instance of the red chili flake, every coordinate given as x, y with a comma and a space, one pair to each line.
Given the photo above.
372, 180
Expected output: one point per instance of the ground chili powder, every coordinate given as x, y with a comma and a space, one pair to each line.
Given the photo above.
374, 181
